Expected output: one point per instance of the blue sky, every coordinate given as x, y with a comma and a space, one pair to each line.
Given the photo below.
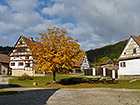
95, 23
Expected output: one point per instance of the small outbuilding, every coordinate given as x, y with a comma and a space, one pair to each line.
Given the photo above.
81, 64
4, 64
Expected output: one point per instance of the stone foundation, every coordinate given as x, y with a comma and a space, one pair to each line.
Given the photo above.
28, 72
128, 76
21, 72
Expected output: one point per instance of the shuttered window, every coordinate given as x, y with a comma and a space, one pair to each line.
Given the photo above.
20, 64
12, 64
27, 64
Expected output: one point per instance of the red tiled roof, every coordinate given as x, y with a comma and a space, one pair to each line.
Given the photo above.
27, 41
4, 58
79, 62
106, 61
137, 39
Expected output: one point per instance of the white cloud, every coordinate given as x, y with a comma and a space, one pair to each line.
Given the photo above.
42, 27
26, 20
106, 20
94, 23
54, 10
8, 28
23, 5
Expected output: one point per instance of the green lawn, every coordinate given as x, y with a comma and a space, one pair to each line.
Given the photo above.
42, 83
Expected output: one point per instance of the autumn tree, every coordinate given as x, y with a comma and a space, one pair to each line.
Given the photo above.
115, 60
55, 52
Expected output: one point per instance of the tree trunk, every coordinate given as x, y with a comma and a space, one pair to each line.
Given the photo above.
54, 75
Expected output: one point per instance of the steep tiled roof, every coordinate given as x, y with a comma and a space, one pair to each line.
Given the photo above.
79, 62
106, 62
137, 39
4, 58
27, 41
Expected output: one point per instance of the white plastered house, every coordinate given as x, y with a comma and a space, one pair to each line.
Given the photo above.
129, 60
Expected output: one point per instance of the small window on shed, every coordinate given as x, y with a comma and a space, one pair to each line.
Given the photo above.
124, 53
134, 51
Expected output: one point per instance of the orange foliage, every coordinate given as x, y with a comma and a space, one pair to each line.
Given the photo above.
54, 51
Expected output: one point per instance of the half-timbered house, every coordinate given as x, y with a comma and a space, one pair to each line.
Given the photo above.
21, 60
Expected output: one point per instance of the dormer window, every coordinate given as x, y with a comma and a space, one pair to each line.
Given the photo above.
134, 51
124, 53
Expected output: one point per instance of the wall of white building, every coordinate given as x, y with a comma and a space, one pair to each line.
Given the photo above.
85, 64
132, 67
21, 59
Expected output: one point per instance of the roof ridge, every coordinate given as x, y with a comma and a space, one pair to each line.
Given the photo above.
136, 38
27, 40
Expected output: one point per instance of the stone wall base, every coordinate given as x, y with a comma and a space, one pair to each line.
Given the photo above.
128, 76
28, 72
21, 72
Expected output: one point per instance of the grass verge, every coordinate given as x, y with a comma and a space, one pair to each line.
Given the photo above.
44, 81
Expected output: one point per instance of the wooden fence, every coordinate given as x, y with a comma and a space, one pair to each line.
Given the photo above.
101, 72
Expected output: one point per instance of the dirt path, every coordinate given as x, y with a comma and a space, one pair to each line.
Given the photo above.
4, 81
85, 96
95, 96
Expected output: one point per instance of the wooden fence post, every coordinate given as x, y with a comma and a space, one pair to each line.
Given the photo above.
104, 71
93, 72
113, 73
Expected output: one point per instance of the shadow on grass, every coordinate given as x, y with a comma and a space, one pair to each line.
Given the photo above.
2, 86
28, 97
72, 81
14, 85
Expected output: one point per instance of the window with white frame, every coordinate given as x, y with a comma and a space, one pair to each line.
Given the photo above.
122, 64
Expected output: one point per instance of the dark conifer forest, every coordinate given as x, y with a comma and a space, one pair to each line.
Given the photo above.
5, 49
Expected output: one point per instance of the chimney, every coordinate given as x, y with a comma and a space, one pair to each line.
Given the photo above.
31, 39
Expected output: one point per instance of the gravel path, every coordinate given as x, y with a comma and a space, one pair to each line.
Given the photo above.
86, 96
3, 80
95, 96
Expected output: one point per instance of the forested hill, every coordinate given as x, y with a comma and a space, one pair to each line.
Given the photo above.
111, 51
5, 50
